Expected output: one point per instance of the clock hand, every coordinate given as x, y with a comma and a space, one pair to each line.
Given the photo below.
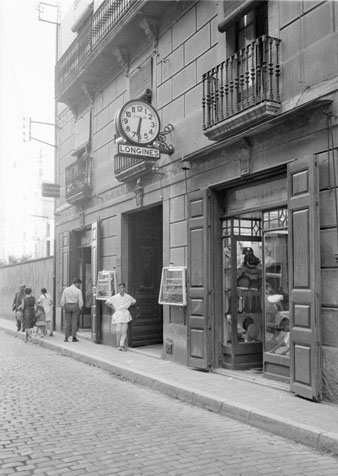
139, 128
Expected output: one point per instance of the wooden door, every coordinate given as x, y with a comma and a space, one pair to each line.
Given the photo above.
304, 268
145, 277
86, 287
95, 266
198, 319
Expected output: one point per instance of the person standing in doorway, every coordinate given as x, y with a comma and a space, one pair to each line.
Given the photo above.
17, 302
47, 303
121, 302
72, 303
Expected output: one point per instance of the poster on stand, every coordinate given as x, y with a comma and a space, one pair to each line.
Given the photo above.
173, 286
106, 285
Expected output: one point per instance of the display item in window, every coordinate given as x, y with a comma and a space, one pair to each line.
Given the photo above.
283, 347
250, 260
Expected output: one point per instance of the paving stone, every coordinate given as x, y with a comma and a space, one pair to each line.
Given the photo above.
90, 423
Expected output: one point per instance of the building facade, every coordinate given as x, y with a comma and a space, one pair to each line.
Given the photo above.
200, 137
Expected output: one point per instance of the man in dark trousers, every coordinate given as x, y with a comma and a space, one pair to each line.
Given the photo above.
17, 301
72, 303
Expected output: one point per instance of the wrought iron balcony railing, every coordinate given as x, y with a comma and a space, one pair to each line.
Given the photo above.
246, 79
129, 168
89, 39
78, 181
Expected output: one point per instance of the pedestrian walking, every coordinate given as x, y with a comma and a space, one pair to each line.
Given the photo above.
29, 318
72, 303
121, 302
47, 302
17, 302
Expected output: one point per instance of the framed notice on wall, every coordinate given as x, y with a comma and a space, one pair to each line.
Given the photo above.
173, 286
106, 284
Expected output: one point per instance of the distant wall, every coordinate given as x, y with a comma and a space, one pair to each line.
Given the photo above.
35, 274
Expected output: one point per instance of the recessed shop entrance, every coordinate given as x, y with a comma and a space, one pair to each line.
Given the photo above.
255, 310
144, 271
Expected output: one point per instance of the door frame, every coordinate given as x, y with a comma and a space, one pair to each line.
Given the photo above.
127, 257
216, 257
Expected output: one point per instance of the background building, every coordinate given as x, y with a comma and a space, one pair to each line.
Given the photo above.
26, 89
242, 197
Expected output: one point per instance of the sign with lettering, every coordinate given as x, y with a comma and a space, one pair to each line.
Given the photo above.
106, 285
173, 286
51, 190
127, 150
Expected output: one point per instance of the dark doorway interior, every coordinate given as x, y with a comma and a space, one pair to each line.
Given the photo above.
145, 267
86, 287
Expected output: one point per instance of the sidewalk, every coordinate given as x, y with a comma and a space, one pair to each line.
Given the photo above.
262, 403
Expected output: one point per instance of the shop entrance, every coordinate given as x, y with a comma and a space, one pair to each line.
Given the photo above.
77, 262
145, 267
255, 324
256, 327
86, 286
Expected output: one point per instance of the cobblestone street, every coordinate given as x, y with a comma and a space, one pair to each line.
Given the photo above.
63, 417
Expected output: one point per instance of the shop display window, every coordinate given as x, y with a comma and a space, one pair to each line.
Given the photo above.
173, 286
276, 285
242, 286
106, 285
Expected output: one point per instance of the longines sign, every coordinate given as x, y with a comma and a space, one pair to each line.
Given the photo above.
126, 150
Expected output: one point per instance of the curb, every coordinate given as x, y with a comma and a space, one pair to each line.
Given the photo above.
304, 434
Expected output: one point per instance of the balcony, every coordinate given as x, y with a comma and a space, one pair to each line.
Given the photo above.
243, 90
106, 42
78, 181
130, 168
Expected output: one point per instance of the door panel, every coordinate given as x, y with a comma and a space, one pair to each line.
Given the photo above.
145, 277
304, 268
198, 319
86, 287
95, 266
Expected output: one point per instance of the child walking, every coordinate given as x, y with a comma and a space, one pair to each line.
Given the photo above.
41, 320
47, 302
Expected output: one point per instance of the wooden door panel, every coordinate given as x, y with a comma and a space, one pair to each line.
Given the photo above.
64, 265
197, 312
304, 268
95, 266
145, 277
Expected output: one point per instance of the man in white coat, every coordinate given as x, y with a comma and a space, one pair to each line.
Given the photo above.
121, 302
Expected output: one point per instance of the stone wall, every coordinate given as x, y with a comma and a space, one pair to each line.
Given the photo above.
35, 274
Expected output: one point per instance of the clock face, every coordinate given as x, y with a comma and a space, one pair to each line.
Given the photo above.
138, 122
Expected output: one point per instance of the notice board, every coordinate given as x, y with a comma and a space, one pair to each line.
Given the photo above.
173, 286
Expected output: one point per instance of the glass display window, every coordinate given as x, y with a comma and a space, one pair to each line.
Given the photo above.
173, 286
242, 292
106, 285
276, 293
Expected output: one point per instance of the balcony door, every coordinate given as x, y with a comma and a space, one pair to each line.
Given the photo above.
252, 50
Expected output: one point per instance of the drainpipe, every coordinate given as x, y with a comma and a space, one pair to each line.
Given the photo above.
55, 169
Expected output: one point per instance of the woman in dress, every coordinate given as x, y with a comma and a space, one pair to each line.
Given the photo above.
29, 319
47, 302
